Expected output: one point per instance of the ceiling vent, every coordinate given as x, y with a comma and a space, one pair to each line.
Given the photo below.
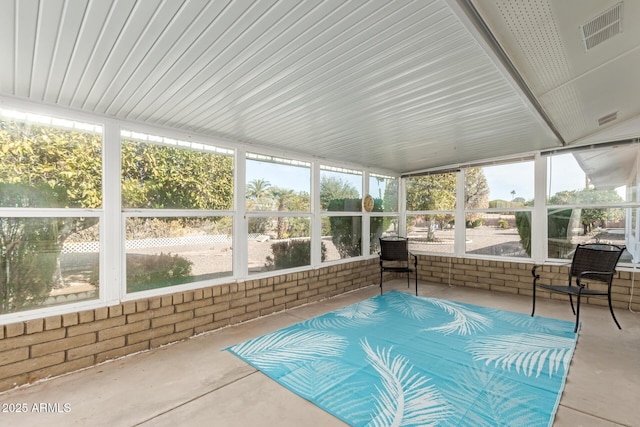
602, 27
608, 118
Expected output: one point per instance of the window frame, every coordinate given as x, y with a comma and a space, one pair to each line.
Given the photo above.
190, 143
48, 116
322, 213
497, 210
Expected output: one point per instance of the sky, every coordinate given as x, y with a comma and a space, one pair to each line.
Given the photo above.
294, 177
502, 179
279, 175
565, 174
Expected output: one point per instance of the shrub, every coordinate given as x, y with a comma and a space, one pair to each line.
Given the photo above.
343, 227
523, 224
475, 223
155, 271
292, 253
30, 247
503, 223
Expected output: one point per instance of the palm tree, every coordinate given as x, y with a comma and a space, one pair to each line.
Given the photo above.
281, 196
256, 192
257, 188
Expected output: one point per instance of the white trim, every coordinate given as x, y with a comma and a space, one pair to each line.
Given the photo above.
112, 280
240, 262
539, 241
316, 219
460, 219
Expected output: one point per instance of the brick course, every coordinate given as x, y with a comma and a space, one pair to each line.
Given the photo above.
54, 345
514, 277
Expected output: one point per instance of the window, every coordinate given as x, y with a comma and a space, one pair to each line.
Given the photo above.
277, 184
592, 197
50, 201
384, 190
498, 205
176, 197
380, 227
431, 204
341, 204
278, 206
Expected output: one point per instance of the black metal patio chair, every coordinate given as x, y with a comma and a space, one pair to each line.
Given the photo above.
394, 256
592, 267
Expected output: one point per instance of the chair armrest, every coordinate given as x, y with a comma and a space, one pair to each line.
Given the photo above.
535, 267
415, 258
533, 271
590, 272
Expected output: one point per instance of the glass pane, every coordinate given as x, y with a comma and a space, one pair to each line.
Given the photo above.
276, 184
499, 234
431, 233
600, 176
500, 186
49, 163
345, 239
385, 189
381, 226
276, 243
432, 192
340, 190
44, 263
183, 176
568, 227
165, 252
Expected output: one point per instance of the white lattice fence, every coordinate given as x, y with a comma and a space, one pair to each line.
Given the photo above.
91, 247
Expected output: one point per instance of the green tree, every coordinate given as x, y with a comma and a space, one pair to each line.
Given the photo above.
432, 192
590, 217
281, 197
390, 199
346, 230
257, 194
257, 188
30, 247
45, 167
476, 195
69, 162
438, 193
158, 177
41, 167
476, 189
333, 188
28, 261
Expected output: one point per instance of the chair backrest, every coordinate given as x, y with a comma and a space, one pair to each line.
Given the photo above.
394, 249
596, 257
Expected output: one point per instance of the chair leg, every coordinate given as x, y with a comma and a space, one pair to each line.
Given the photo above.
571, 301
408, 279
380, 281
611, 310
577, 313
416, 282
533, 309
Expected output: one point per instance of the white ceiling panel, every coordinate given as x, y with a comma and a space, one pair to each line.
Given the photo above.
574, 85
399, 86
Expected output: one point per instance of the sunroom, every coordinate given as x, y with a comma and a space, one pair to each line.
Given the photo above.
168, 169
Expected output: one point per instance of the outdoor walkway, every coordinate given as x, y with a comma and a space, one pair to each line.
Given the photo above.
195, 383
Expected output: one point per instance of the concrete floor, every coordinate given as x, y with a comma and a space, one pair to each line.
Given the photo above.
195, 383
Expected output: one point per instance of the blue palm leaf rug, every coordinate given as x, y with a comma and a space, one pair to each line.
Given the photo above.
401, 360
